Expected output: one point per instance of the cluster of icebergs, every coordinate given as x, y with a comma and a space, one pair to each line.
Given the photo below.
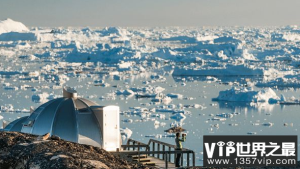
245, 51
39, 59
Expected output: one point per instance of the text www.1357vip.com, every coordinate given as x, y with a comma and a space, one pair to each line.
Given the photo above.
251, 161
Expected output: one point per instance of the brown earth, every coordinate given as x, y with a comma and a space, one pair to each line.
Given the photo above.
22, 151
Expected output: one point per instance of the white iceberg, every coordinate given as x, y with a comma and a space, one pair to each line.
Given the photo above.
10, 25
247, 95
126, 132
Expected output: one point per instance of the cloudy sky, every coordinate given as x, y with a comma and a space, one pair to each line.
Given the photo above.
152, 12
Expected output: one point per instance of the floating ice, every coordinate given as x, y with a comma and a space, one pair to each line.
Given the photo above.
7, 108
247, 95
175, 95
269, 124
125, 92
128, 120
198, 106
126, 132
18, 36
176, 124
225, 115
178, 116
252, 133
280, 82
219, 119
42, 97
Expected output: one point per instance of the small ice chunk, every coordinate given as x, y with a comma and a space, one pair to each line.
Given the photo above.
175, 95
178, 116
252, 133
269, 124
156, 122
128, 120
126, 132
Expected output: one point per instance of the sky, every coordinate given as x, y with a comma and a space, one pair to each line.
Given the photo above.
142, 13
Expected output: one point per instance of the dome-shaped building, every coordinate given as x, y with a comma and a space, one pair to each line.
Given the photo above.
73, 119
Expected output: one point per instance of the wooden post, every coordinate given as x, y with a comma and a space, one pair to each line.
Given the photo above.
139, 153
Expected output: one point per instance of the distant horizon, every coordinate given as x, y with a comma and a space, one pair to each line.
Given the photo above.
208, 26
154, 13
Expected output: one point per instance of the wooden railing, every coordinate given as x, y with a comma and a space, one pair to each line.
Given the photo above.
160, 150
135, 145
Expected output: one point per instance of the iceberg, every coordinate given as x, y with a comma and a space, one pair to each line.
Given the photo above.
247, 95
18, 36
9, 25
229, 70
11, 30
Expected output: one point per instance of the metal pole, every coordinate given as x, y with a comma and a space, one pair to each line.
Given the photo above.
133, 144
158, 149
164, 151
188, 159
181, 161
169, 155
175, 156
194, 159
153, 148
128, 143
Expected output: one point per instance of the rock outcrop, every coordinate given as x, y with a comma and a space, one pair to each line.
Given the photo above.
19, 150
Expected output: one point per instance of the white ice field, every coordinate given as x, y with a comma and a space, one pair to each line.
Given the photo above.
210, 80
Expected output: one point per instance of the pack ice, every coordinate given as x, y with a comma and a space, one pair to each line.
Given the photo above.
150, 71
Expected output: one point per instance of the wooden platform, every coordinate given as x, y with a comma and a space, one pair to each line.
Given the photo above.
152, 161
155, 153
161, 163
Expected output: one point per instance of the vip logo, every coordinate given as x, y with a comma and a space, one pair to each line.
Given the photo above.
229, 149
250, 150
